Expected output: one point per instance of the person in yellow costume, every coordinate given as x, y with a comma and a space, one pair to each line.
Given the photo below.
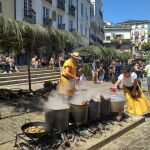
68, 78
137, 103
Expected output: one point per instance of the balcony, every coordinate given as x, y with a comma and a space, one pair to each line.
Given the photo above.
121, 41
61, 4
61, 26
101, 14
95, 40
72, 10
30, 16
50, 1
47, 21
72, 30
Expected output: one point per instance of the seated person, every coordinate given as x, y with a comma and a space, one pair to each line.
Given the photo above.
35, 62
43, 62
13, 67
6, 65
52, 63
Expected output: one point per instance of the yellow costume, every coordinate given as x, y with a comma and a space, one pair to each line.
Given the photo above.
138, 106
67, 84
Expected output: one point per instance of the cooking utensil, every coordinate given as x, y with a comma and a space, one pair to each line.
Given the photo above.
58, 119
117, 103
94, 111
105, 108
79, 113
35, 124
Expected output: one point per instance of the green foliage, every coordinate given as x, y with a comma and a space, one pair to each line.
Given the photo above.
18, 34
87, 70
102, 53
146, 46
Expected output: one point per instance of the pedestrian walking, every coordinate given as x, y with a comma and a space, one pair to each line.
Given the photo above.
94, 72
147, 69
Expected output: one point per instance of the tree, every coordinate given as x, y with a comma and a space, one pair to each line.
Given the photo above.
146, 46
21, 34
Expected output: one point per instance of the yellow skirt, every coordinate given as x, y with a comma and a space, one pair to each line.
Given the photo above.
66, 87
137, 106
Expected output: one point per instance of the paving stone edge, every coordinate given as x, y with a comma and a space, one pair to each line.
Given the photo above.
114, 136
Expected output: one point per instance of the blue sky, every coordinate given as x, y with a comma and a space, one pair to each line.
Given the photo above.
122, 10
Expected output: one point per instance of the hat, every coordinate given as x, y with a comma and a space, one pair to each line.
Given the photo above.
75, 55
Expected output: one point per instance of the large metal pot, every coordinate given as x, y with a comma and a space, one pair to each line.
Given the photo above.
79, 113
94, 111
58, 119
117, 103
105, 108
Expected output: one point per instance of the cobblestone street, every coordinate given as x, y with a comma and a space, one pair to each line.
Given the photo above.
136, 139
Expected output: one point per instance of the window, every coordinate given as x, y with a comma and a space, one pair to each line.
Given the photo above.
81, 29
70, 3
119, 36
86, 14
82, 10
60, 19
107, 38
27, 5
45, 12
70, 24
0, 7
85, 31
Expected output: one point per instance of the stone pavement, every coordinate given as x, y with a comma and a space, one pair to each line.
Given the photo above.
136, 139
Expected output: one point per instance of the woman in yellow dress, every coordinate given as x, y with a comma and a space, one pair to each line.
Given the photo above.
137, 103
68, 78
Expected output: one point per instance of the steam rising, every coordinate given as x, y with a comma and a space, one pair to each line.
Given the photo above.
83, 93
56, 102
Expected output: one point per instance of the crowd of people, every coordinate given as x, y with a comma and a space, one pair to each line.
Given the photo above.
130, 74
115, 69
37, 62
7, 64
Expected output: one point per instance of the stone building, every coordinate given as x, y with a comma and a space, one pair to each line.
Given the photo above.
97, 25
131, 33
62, 14
139, 31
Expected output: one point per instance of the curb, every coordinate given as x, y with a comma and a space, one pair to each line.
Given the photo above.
114, 136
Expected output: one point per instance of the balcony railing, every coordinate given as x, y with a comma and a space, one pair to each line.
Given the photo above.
72, 10
71, 30
61, 26
30, 16
121, 41
50, 1
61, 4
47, 21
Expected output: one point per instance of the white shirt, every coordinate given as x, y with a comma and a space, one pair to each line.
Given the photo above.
128, 82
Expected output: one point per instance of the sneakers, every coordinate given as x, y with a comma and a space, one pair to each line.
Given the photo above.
4, 72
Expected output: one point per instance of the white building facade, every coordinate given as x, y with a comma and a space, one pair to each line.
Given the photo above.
62, 14
139, 32
97, 25
118, 37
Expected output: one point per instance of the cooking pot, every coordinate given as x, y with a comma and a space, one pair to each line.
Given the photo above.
105, 108
79, 113
117, 103
58, 119
94, 111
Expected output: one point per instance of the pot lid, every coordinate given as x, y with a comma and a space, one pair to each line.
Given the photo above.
116, 98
